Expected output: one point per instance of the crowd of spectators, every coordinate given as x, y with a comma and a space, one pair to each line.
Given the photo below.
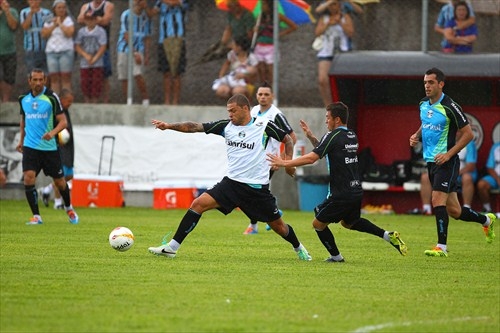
53, 37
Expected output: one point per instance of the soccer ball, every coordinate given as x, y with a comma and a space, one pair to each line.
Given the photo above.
121, 239
63, 136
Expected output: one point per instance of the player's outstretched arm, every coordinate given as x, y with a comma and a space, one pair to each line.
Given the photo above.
186, 127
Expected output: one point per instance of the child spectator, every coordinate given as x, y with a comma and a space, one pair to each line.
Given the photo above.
242, 67
60, 49
90, 44
141, 39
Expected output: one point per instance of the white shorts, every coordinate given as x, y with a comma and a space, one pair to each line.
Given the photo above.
122, 66
264, 53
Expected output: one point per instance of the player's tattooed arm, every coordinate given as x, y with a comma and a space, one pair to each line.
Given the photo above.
186, 127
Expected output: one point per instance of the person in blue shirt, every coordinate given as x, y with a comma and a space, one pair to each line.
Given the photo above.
444, 132
172, 59
447, 14
492, 179
141, 40
460, 40
32, 20
40, 112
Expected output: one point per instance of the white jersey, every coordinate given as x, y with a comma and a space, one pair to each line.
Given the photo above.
245, 146
273, 146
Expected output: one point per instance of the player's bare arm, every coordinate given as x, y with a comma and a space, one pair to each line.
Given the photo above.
276, 161
186, 127
288, 141
415, 137
309, 135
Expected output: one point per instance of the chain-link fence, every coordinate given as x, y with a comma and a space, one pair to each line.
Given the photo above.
383, 25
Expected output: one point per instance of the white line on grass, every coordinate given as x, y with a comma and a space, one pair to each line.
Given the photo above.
372, 328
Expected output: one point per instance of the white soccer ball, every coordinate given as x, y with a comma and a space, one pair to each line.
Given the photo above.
121, 239
63, 136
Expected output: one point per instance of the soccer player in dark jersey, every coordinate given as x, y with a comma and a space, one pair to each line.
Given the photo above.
40, 111
343, 203
444, 132
247, 183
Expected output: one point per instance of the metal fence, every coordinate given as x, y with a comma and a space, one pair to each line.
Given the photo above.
383, 25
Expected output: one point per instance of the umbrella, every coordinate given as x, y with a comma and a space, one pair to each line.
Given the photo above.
298, 11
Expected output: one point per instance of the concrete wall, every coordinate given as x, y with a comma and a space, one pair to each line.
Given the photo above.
283, 186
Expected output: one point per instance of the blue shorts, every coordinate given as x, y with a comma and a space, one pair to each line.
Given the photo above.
490, 180
60, 62
68, 171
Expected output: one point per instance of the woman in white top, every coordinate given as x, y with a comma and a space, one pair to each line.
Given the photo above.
336, 28
242, 67
60, 47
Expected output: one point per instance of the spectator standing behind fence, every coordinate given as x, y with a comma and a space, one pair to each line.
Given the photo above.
447, 14
264, 47
60, 48
141, 40
460, 40
335, 29
492, 180
242, 67
32, 20
171, 46
9, 20
90, 44
103, 10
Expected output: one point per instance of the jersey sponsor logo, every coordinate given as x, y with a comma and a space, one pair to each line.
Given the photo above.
349, 160
351, 146
37, 115
259, 124
432, 127
240, 144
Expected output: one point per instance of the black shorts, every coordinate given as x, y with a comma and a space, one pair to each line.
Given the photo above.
257, 204
49, 161
444, 178
334, 211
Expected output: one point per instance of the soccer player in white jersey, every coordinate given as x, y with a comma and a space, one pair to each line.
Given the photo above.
247, 183
267, 110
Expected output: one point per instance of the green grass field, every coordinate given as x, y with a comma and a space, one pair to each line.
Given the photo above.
59, 277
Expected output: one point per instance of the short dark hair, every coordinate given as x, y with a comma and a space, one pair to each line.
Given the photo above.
36, 70
436, 71
266, 84
240, 100
339, 109
244, 42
